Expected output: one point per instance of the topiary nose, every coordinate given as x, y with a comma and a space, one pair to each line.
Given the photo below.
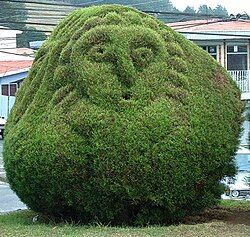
124, 69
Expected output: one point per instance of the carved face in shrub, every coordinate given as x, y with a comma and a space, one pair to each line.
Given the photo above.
123, 120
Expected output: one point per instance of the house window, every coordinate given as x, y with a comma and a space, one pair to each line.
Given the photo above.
13, 89
236, 57
5, 90
212, 50
9, 89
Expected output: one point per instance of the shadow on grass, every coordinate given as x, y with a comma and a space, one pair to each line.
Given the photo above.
230, 212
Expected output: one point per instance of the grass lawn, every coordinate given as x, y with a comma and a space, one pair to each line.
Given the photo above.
231, 218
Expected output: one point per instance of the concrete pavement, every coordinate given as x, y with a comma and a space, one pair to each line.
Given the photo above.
2, 173
8, 199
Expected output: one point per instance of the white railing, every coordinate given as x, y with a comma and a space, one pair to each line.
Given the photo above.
242, 79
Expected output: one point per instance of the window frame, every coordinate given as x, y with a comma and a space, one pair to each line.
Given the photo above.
206, 48
246, 53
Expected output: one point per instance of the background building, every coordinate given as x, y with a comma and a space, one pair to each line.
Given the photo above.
14, 67
8, 38
228, 42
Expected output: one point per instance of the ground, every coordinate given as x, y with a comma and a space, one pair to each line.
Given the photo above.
230, 219
230, 212
8, 199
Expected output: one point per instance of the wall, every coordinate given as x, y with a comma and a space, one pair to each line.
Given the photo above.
244, 139
8, 38
7, 102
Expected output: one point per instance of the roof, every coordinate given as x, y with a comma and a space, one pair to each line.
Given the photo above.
9, 67
211, 25
36, 44
16, 54
9, 31
16, 60
21, 51
214, 29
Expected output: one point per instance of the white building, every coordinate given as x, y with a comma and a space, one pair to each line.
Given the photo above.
8, 37
14, 66
228, 42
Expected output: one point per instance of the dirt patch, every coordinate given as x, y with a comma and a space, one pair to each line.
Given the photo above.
232, 216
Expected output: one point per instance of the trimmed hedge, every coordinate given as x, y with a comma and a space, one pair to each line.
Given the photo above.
123, 121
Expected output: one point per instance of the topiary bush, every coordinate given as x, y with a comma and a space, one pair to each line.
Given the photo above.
123, 121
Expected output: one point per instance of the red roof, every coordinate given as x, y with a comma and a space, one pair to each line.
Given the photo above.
11, 66
212, 25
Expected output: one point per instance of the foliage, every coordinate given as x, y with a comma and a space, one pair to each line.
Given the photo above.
14, 13
220, 10
121, 120
29, 34
143, 4
204, 9
189, 9
217, 11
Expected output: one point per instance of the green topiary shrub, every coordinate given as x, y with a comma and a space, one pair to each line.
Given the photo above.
121, 120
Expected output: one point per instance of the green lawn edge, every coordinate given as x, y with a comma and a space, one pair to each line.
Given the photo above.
27, 223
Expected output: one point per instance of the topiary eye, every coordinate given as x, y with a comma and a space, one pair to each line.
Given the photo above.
98, 53
96, 45
142, 57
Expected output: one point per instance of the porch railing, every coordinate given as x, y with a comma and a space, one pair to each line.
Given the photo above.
242, 79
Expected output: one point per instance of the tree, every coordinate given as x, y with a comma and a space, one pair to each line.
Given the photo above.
161, 6
204, 9
189, 10
220, 11
144, 5
164, 5
12, 14
29, 34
